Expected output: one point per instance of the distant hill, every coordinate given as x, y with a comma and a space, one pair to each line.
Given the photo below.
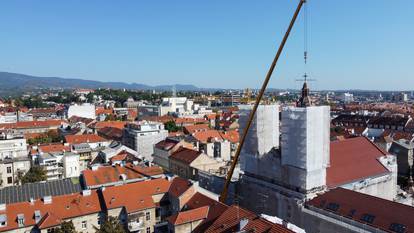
21, 82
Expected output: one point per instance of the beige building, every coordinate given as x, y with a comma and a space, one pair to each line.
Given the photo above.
138, 206
46, 214
165, 148
186, 163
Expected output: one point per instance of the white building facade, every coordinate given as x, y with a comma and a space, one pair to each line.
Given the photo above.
85, 110
142, 137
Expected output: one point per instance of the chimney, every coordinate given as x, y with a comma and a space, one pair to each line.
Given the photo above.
242, 224
86, 192
37, 216
47, 200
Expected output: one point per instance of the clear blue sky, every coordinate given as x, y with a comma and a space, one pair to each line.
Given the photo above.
365, 44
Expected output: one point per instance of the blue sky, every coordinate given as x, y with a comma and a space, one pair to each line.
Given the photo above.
353, 44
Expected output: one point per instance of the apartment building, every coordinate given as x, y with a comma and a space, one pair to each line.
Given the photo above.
142, 136
14, 162
47, 213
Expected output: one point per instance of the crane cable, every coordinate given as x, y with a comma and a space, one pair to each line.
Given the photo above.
223, 195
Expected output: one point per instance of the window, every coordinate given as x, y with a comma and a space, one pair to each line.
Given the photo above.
147, 216
84, 225
148, 229
396, 227
352, 213
333, 206
9, 180
9, 170
368, 218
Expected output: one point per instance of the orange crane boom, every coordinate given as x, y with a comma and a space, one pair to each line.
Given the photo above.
223, 195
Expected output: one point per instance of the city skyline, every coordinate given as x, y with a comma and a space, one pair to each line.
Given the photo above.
215, 44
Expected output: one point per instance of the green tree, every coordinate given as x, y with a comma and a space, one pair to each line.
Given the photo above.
66, 227
171, 126
35, 174
111, 225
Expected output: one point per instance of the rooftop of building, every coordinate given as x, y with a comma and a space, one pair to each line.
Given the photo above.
21, 193
352, 160
189, 216
32, 124
134, 196
53, 213
386, 215
185, 155
236, 219
84, 138
109, 175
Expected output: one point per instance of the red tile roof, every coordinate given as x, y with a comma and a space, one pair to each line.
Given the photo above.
205, 136
182, 121
135, 196
215, 208
32, 124
53, 147
229, 222
110, 133
231, 135
84, 138
190, 129
166, 144
185, 155
62, 208
353, 159
355, 205
113, 124
100, 110
109, 174
189, 216
112, 174
179, 186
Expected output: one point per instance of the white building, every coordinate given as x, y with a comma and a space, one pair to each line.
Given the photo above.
305, 146
85, 110
142, 137
14, 161
52, 164
264, 131
175, 105
347, 97
60, 165
12, 147
71, 166
277, 181
11, 117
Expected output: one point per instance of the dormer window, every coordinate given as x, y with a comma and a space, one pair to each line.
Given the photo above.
20, 220
3, 220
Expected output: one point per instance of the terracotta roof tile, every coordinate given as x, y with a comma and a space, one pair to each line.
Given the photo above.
189, 216
32, 124
190, 129
355, 205
112, 124
62, 207
179, 186
185, 155
84, 138
109, 174
353, 159
135, 196
53, 147
229, 222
